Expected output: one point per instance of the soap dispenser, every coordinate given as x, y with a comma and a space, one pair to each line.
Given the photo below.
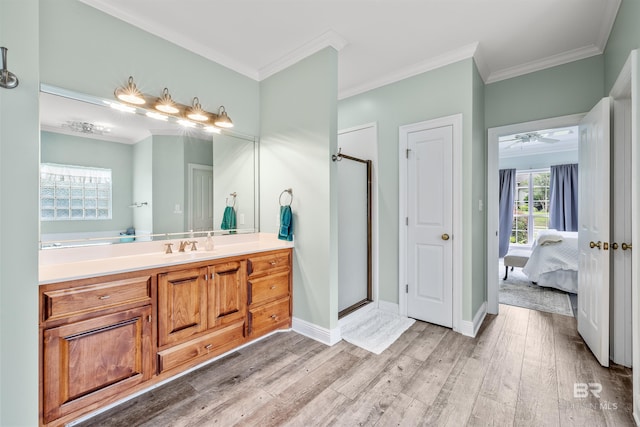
208, 244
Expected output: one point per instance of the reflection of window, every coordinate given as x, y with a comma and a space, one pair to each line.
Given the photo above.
530, 213
74, 193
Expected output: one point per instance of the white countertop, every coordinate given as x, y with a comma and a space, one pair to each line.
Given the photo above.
59, 265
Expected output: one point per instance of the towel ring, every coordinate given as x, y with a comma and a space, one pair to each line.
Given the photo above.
288, 190
233, 203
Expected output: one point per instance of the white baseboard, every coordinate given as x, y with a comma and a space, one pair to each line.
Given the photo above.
470, 329
318, 333
389, 306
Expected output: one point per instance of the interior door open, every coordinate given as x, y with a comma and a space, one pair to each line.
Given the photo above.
593, 231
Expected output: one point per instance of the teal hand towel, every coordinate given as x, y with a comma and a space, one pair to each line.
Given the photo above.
286, 224
228, 219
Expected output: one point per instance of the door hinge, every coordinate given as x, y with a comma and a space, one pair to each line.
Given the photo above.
149, 318
406, 220
407, 152
406, 288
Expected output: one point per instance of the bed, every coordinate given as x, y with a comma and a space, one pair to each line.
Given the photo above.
554, 260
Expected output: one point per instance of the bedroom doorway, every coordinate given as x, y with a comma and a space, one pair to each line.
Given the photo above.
538, 195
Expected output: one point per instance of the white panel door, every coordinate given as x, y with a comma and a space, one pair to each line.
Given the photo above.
593, 231
201, 194
429, 208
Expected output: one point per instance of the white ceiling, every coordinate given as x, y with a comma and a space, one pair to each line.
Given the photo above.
379, 41
553, 141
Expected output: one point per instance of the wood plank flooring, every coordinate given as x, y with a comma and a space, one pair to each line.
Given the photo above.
519, 370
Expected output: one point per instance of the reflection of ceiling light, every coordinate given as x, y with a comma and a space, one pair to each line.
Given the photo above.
223, 120
212, 129
166, 104
123, 108
130, 93
157, 116
186, 123
86, 127
195, 112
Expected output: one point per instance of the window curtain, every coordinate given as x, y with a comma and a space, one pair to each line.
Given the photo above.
563, 199
507, 188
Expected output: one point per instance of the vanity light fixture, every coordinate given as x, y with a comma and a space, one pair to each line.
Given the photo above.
130, 93
186, 123
166, 104
223, 119
195, 112
157, 116
211, 129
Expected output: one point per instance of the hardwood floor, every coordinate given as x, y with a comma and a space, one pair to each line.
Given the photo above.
519, 370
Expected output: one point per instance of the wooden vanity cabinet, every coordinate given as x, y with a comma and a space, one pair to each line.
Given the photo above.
202, 310
269, 292
96, 342
106, 337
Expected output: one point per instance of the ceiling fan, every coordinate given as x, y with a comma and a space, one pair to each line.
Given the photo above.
529, 137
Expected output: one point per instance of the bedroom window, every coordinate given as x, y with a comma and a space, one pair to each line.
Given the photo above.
531, 205
70, 192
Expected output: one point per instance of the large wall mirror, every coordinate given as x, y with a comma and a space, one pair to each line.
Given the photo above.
113, 176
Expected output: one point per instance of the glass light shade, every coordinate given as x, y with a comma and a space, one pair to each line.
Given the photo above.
223, 119
195, 112
166, 104
130, 93
157, 116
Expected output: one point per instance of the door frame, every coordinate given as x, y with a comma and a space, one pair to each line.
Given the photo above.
457, 241
492, 192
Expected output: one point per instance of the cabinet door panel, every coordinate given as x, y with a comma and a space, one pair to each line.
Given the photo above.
227, 293
90, 360
182, 305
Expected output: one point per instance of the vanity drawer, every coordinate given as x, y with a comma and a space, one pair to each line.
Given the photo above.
271, 262
269, 317
208, 345
69, 302
268, 288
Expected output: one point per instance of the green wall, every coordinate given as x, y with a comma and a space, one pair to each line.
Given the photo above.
79, 151
88, 51
449, 90
625, 36
298, 135
559, 91
19, 164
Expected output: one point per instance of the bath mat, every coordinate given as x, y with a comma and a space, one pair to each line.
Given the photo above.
375, 329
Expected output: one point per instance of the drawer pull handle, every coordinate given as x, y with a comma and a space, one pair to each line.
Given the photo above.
104, 297
273, 316
273, 287
208, 347
273, 263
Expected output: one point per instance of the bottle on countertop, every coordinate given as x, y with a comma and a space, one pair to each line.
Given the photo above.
208, 243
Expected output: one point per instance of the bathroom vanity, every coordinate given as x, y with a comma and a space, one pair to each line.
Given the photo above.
111, 327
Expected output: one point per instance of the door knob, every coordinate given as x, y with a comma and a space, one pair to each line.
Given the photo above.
625, 246
445, 236
595, 245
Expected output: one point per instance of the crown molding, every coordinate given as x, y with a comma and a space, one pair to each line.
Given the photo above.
173, 37
327, 39
548, 62
608, 19
447, 58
